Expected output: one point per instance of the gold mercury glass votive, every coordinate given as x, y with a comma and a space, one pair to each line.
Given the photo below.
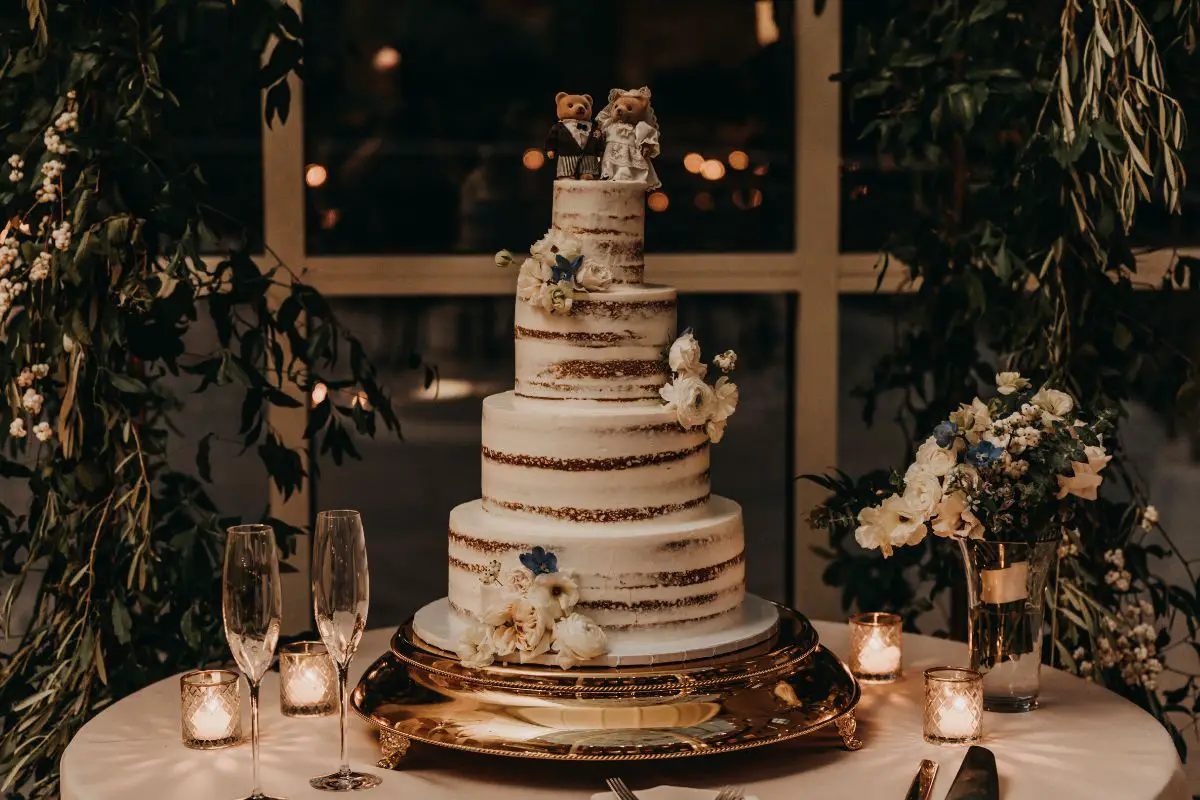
953, 705
307, 680
211, 704
875, 650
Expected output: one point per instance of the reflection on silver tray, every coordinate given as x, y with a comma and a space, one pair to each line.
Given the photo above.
784, 688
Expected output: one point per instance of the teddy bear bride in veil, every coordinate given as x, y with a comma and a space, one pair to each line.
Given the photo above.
630, 137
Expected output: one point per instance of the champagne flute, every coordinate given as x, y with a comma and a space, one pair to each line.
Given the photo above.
340, 596
251, 609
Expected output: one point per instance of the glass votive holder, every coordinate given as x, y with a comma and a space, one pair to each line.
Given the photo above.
953, 705
211, 705
875, 650
307, 680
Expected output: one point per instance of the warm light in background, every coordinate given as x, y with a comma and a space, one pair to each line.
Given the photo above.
713, 170
330, 218
449, 389
704, 201
315, 175
761, 169
533, 158
360, 400
764, 22
747, 199
658, 201
386, 58
692, 162
739, 160
319, 393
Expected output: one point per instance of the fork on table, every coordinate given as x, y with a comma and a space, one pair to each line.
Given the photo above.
618, 787
730, 793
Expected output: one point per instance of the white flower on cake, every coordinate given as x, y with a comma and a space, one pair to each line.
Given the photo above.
518, 580
517, 626
555, 592
558, 298
684, 357
1053, 404
1010, 383
475, 646
725, 394
937, 460
556, 243
691, 398
592, 277
577, 638
726, 361
504, 258
532, 280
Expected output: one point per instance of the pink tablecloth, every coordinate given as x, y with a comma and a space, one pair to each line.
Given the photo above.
1084, 742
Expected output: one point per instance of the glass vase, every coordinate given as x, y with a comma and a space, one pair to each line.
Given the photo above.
1006, 584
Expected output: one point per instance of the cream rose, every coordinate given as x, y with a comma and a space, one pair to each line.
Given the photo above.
475, 646
922, 490
517, 624
1085, 483
576, 639
692, 399
531, 281
1010, 383
938, 460
592, 277
684, 357
518, 580
555, 592
1054, 404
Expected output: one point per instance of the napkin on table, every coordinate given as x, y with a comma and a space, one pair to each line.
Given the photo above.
669, 793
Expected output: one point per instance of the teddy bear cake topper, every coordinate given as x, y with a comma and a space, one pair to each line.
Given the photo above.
619, 145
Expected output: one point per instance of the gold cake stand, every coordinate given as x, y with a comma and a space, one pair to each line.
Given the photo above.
779, 689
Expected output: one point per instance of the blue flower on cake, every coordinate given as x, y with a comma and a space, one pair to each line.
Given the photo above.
539, 561
696, 403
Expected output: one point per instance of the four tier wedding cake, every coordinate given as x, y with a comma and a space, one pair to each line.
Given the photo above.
597, 539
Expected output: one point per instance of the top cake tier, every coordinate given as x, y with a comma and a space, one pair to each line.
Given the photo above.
609, 217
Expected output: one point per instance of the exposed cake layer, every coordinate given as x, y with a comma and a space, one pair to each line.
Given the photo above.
605, 463
636, 577
609, 217
610, 348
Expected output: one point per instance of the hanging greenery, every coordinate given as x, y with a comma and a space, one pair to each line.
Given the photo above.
107, 242
1030, 136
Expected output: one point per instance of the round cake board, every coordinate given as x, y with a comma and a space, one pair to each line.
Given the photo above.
756, 620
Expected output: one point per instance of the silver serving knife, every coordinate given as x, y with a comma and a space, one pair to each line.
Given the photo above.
922, 782
977, 778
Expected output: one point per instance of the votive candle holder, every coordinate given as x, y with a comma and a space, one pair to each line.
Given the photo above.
953, 705
307, 680
876, 652
211, 708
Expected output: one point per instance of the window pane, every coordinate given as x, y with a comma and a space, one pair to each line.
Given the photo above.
406, 489
419, 115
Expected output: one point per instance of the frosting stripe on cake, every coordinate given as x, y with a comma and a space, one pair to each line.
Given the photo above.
593, 464
597, 514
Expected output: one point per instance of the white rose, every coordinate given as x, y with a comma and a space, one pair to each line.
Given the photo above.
726, 396
475, 646
938, 460
922, 490
692, 399
1054, 404
532, 280
555, 592
1010, 383
684, 357
592, 277
576, 639
893, 524
519, 580
556, 243
517, 624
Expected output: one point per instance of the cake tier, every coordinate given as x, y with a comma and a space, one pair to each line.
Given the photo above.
643, 576
591, 464
610, 348
609, 217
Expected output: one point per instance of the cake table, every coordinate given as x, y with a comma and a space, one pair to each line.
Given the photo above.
1084, 742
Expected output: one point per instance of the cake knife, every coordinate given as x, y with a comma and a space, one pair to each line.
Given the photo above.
922, 782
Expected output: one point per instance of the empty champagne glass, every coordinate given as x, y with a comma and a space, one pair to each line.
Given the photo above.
340, 596
251, 609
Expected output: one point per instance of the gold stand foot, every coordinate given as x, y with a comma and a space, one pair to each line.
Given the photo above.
393, 748
846, 726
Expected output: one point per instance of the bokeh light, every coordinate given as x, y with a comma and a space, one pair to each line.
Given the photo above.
315, 175
739, 160
658, 201
386, 58
533, 158
713, 170
692, 162
704, 201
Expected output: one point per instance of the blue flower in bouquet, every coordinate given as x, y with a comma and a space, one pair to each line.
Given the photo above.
982, 454
944, 433
540, 561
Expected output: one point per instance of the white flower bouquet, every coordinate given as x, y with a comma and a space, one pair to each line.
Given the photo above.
1009, 469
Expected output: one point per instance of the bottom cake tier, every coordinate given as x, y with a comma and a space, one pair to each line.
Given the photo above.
651, 578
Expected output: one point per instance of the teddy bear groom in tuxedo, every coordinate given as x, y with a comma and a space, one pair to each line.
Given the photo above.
574, 140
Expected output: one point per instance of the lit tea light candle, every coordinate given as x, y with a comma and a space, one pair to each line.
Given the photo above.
953, 705
211, 706
875, 651
307, 680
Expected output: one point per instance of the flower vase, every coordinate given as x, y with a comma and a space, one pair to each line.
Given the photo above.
1006, 584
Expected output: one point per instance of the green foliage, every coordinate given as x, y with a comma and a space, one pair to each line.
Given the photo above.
121, 550
1030, 134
